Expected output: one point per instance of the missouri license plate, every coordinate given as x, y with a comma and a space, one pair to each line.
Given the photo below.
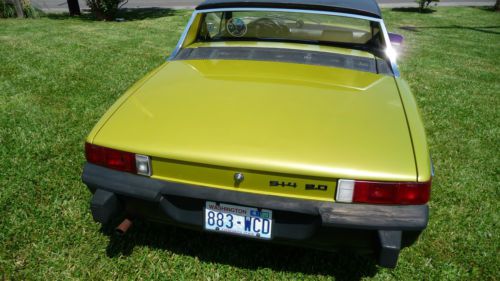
238, 220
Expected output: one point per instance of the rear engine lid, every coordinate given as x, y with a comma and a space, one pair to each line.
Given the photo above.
204, 120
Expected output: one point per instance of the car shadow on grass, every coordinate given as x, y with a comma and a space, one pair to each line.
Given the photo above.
128, 14
414, 10
484, 29
239, 252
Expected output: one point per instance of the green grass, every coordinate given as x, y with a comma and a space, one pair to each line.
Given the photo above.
59, 75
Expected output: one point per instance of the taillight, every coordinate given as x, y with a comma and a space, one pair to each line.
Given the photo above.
396, 193
117, 160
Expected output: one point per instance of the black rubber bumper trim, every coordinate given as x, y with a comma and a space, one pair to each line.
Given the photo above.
390, 245
358, 216
105, 206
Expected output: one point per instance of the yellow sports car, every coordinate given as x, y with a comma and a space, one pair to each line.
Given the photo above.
282, 120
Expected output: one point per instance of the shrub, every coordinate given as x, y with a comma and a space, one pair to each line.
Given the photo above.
104, 9
424, 4
7, 9
28, 9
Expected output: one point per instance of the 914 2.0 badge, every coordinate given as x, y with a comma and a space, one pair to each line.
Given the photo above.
307, 186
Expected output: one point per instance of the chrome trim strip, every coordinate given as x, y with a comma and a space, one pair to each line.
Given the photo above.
183, 36
389, 48
291, 10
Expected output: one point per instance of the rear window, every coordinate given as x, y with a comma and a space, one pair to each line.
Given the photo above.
289, 27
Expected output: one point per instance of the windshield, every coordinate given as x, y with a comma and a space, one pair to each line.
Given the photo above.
290, 27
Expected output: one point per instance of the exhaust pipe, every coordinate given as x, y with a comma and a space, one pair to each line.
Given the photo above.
123, 227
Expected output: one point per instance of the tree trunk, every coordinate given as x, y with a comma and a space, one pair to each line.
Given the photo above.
497, 6
74, 7
19, 8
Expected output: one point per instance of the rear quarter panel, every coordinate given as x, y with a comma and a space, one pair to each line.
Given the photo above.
119, 102
417, 131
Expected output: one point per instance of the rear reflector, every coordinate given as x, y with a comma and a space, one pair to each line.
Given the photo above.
142, 162
345, 191
396, 193
110, 158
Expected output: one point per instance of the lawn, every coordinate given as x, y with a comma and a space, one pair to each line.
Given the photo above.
58, 75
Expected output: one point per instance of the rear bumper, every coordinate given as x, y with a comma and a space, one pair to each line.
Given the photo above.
376, 228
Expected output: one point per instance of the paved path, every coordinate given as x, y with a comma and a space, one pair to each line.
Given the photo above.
61, 6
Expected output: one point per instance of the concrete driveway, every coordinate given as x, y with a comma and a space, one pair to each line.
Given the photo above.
61, 6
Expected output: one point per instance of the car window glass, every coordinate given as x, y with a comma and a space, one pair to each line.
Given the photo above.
213, 24
286, 26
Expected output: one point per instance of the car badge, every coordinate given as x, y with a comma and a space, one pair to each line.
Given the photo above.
238, 178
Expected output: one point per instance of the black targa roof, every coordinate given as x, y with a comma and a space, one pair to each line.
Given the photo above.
360, 7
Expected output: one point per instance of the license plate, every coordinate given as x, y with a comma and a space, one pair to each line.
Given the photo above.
238, 220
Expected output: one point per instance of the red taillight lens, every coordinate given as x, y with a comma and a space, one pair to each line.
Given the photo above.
111, 158
404, 193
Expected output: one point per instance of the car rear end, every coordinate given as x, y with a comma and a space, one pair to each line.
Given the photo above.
368, 217
306, 167
306, 144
